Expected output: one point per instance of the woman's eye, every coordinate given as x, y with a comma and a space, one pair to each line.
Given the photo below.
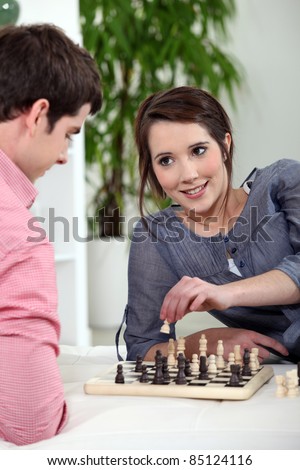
199, 151
165, 161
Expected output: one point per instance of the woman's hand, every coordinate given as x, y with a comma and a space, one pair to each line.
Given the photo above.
192, 294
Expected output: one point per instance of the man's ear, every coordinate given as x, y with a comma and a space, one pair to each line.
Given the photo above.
36, 113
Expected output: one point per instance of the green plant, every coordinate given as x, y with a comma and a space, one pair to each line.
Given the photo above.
142, 46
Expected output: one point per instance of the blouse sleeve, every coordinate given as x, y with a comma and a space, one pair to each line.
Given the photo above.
288, 196
149, 279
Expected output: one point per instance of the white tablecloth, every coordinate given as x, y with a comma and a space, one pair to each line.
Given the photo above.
111, 422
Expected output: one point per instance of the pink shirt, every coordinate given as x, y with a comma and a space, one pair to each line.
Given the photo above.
32, 404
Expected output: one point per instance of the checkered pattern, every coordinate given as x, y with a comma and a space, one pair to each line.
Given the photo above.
32, 404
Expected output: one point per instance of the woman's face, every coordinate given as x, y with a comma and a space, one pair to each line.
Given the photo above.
189, 166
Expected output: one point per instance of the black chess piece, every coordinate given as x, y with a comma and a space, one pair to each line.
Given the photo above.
138, 363
234, 378
165, 370
158, 378
246, 371
144, 377
181, 378
120, 376
203, 369
187, 368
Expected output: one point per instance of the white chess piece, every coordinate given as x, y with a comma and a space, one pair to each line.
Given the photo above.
181, 345
212, 367
281, 389
165, 327
220, 359
195, 363
237, 354
292, 383
231, 360
171, 360
255, 351
253, 363
202, 345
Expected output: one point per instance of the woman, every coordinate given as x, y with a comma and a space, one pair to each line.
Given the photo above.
232, 252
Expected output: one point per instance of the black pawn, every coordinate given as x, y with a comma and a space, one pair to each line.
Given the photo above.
187, 368
181, 378
203, 369
246, 371
120, 376
234, 378
165, 370
158, 378
138, 363
144, 377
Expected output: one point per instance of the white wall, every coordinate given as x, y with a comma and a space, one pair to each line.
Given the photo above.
265, 38
63, 13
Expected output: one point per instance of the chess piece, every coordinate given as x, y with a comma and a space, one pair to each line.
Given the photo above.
165, 327
234, 378
119, 379
231, 360
280, 389
202, 345
195, 363
203, 375
165, 370
180, 346
237, 354
187, 368
138, 363
171, 353
292, 383
253, 363
212, 367
158, 378
220, 359
181, 378
255, 351
144, 377
246, 371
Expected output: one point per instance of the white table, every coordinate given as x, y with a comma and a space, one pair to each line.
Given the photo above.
112, 422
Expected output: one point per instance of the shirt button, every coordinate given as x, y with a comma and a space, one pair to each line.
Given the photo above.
242, 264
233, 250
226, 239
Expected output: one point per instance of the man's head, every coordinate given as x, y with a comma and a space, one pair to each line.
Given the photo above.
40, 62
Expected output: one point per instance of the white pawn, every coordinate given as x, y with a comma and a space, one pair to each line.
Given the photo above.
237, 354
220, 359
281, 389
212, 367
292, 383
230, 360
195, 363
252, 363
165, 327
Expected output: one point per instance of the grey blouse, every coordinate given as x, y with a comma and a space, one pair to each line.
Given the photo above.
266, 236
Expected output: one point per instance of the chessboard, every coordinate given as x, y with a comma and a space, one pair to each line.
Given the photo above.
215, 386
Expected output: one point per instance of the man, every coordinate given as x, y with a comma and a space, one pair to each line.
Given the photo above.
48, 86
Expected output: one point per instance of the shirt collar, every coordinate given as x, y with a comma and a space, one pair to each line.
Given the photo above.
17, 180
